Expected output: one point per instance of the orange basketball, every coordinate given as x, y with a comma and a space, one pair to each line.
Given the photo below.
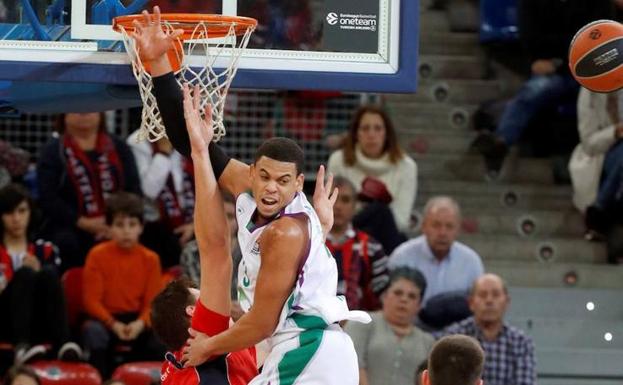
596, 56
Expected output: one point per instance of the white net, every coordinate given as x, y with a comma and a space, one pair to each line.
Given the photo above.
213, 74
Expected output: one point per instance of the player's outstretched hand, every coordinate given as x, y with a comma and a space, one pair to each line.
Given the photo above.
324, 199
200, 131
152, 42
197, 349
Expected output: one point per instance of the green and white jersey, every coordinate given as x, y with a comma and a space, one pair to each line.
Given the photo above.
314, 295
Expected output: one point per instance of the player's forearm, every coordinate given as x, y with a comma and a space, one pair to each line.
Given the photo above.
248, 331
210, 220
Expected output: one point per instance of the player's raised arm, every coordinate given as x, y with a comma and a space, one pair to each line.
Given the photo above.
153, 44
211, 230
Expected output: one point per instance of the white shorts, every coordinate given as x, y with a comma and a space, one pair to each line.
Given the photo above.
315, 357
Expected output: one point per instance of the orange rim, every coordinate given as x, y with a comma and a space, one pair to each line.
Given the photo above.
217, 25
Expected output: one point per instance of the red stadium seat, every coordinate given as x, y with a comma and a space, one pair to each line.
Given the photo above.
66, 373
72, 285
138, 373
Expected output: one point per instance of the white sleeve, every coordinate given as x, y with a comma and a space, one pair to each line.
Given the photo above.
594, 139
152, 169
405, 198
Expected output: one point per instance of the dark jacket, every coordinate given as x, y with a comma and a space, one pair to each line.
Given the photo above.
58, 199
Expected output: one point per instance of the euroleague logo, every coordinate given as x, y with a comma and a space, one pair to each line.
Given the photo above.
332, 18
352, 21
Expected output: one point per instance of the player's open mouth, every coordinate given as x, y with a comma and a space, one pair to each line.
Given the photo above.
269, 201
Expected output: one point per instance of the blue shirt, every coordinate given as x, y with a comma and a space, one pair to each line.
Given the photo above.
455, 272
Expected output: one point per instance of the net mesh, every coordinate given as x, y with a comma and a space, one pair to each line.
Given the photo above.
213, 73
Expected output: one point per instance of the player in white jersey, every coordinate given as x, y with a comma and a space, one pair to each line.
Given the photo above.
288, 279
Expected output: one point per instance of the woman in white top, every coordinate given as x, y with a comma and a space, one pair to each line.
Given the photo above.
371, 149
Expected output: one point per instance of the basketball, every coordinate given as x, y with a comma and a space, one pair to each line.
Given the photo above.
596, 56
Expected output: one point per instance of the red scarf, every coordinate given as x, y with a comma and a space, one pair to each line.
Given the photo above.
352, 272
171, 212
93, 181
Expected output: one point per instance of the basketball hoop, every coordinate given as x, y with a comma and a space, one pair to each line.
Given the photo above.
214, 38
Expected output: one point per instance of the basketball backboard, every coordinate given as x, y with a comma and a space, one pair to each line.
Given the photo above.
346, 45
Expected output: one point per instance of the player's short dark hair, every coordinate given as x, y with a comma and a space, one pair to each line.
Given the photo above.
168, 313
126, 204
282, 150
455, 360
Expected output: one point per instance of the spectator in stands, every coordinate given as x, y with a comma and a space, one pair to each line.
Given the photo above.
361, 262
77, 171
371, 152
31, 297
167, 182
449, 266
190, 255
391, 346
455, 360
21, 375
546, 41
596, 166
14, 160
509, 353
122, 278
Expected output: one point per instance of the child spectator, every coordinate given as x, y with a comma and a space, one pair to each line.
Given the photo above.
31, 296
361, 261
122, 277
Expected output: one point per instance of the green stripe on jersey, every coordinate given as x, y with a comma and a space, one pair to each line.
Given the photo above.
294, 362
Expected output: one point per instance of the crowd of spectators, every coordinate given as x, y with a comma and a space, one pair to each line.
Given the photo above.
128, 205
121, 210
